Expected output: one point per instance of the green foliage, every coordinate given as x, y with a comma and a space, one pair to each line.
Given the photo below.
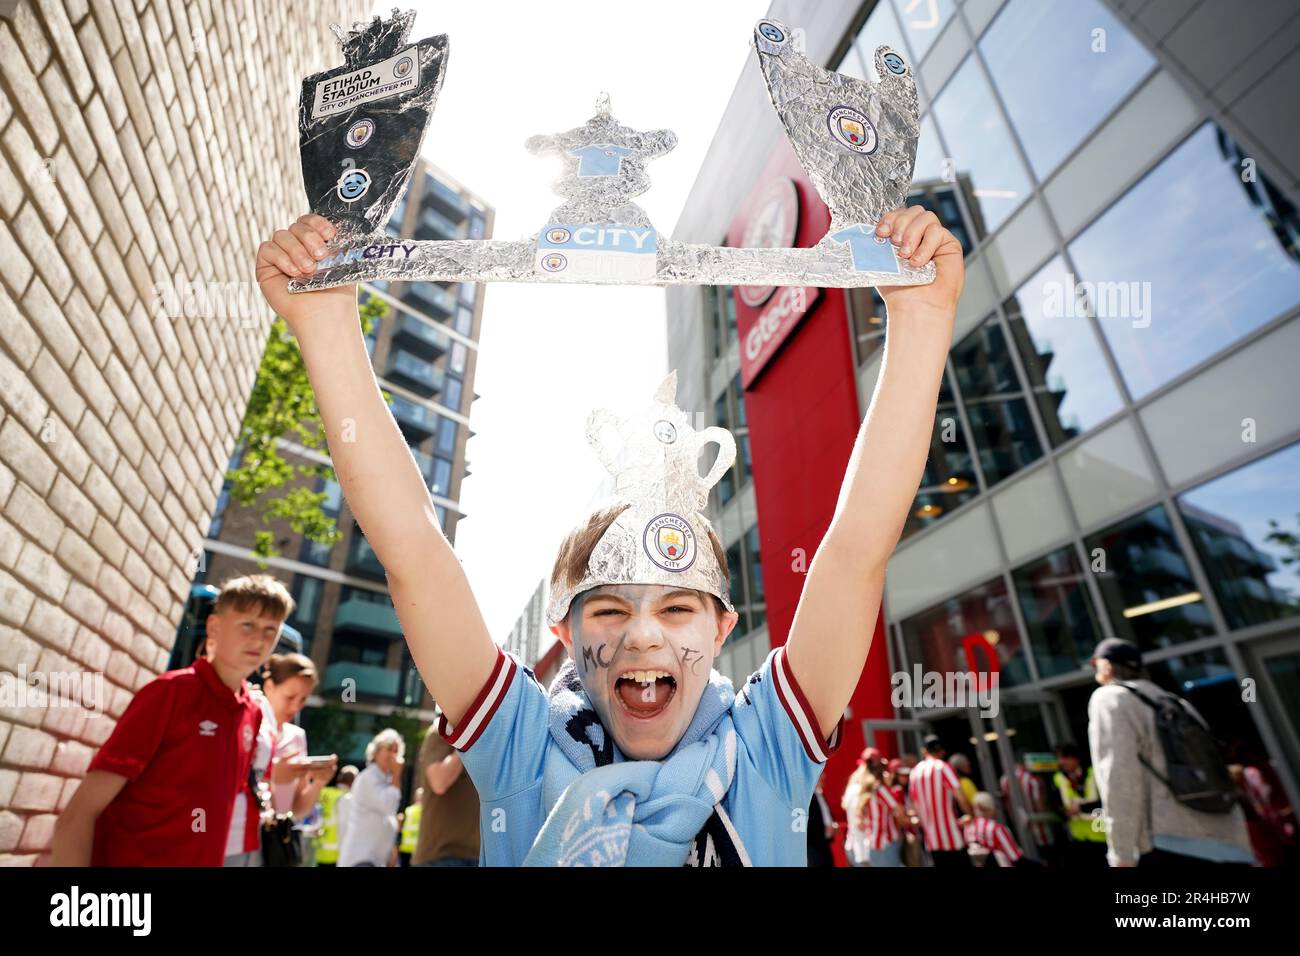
1286, 539
331, 729
282, 406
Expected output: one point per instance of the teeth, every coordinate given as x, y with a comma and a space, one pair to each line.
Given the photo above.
645, 677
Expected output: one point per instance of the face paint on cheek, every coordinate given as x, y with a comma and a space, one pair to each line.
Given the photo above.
593, 655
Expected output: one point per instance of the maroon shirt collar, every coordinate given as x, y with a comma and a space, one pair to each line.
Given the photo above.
208, 674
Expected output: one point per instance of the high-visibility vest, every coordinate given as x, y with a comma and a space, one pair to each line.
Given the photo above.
1081, 826
410, 829
327, 851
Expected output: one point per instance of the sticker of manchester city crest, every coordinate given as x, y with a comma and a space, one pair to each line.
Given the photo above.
403, 67
669, 542
558, 235
359, 133
852, 129
555, 262
665, 431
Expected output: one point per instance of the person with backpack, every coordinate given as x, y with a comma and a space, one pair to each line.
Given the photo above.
1167, 798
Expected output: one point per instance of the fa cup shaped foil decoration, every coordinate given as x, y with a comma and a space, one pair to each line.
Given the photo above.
361, 130
662, 537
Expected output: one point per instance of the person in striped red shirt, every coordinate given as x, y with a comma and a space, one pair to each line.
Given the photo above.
987, 833
932, 788
1033, 791
876, 814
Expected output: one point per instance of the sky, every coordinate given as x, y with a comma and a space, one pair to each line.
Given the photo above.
549, 354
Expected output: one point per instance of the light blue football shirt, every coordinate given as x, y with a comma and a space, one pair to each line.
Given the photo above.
506, 744
604, 159
871, 253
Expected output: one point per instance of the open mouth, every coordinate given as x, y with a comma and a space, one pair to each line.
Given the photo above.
644, 694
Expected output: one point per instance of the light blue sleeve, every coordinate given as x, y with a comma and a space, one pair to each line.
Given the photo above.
773, 719
502, 738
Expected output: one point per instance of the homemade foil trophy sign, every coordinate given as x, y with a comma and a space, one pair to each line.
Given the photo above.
361, 125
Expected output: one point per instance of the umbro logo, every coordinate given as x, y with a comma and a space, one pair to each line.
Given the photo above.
207, 728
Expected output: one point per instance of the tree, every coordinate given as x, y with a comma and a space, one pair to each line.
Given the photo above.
282, 406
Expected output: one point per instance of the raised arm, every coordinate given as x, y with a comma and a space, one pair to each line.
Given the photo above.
836, 617
448, 638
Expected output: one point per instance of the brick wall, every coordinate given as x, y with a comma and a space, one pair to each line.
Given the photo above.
141, 142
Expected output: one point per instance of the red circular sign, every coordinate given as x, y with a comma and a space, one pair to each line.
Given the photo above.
774, 225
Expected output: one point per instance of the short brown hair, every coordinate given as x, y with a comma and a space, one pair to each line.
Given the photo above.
255, 591
285, 667
575, 550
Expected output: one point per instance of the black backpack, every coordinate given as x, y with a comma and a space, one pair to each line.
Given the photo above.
1197, 774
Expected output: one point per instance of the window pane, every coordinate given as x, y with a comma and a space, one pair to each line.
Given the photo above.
1059, 616
982, 617
1246, 526
867, 310
1031, 513
1147, 584
441, 484
1195, 256
1067, 372
458, 356
313, 552
999, 418
464, 320
1056, 89
990, 172
949, 476
451, 393
1107, 474
735, 565
307, 593
880, 29
922, 20
755, 564
447, 436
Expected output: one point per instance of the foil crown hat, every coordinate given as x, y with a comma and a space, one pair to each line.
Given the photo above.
661, 538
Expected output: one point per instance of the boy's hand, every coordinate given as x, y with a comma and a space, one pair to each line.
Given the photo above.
919, 237
292, 254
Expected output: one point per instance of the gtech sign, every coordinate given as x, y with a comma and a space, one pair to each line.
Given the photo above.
774, 216
774, 323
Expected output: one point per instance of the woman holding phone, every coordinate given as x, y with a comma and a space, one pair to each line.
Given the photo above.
296, 779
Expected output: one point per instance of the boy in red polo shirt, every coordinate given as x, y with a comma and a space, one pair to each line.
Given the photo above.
161, 790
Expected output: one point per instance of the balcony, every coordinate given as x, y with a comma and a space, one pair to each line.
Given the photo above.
420, 337
415, 420
402, 687
434, 225
371, 617
1160, 563
414, 372
1221, 546
446, 200
431, 299
371, 680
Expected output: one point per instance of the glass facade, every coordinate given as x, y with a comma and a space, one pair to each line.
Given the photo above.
1111, 308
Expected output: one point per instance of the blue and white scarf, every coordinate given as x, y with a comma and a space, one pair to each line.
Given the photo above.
609, 811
